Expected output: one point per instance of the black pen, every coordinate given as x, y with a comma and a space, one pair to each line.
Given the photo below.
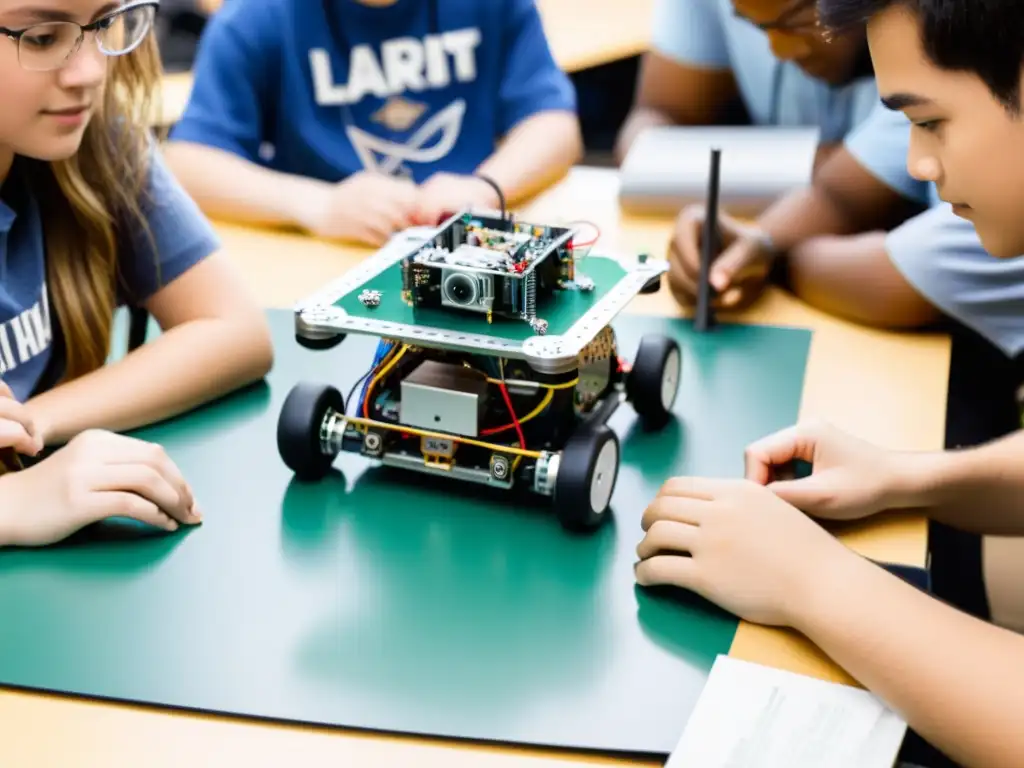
710, 246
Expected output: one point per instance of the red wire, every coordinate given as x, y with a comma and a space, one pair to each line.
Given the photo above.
512, 413
590, 242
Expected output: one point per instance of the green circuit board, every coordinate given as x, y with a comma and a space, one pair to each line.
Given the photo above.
561, 309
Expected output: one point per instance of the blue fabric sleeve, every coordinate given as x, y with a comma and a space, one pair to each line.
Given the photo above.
232, 74
848, 108
941, 256
880, 144
691, 32
532, 81
179, 236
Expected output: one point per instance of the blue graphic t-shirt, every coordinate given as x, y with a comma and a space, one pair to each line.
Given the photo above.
181, 235
325, 89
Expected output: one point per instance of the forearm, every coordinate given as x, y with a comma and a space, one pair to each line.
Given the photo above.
181, 369
977, 489
801, 215
957, 681
535, 154
853, 277
232, 188
842, 199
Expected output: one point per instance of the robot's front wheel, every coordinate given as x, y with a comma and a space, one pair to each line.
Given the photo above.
653, 382
299, 426
587, 471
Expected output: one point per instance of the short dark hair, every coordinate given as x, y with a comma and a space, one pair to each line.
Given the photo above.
983, 37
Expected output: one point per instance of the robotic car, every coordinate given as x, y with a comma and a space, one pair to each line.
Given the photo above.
496, 363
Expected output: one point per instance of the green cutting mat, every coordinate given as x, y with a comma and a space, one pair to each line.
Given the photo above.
561, 310
383, 600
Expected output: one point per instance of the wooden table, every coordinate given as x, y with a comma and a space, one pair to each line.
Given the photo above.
889, 388
582, 34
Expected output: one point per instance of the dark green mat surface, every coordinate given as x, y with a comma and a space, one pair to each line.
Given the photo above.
379, 599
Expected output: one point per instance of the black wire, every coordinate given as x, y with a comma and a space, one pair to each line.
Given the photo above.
352, 392
497, 189
373, 369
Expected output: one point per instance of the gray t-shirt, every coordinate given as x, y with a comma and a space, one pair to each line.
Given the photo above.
181, 234
707, 33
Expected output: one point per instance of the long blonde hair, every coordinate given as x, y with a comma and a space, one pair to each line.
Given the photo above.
90, 203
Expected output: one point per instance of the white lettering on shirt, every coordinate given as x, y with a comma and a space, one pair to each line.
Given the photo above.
405, 64
31, 332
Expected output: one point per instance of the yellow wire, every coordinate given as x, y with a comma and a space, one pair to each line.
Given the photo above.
540, 407
367, 423
391, 360
515, 382
385, 369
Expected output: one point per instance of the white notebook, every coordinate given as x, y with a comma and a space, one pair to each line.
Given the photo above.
667, 167
752, 716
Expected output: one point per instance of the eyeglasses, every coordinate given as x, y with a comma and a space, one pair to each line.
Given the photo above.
798, 17
50, 45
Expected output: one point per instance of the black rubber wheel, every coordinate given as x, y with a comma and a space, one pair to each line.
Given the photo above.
328, 342
652, 286
298, 428
653, 381
587, 471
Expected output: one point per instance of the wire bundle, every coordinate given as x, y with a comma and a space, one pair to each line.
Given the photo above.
387, 357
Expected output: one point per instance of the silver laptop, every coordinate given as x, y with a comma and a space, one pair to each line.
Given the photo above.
667, 167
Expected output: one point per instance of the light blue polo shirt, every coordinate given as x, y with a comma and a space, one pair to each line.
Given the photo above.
28, 325
707, 33
938, 252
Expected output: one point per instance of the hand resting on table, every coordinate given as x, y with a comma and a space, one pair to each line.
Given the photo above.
97, 475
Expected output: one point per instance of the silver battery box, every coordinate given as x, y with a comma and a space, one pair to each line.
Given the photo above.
444, 397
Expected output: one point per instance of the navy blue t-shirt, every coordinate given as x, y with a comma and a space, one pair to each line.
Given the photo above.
325, 89
181, 237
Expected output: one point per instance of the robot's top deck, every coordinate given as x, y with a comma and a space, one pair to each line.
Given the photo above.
485, 244
481, 284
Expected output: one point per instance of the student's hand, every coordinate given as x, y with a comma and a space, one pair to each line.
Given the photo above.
736, 544
738, 273
97, 475
366, 208
446, 193
17, 428
850, 478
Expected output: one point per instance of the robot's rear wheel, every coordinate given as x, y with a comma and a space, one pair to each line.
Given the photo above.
653, 382
587, 472
299, 424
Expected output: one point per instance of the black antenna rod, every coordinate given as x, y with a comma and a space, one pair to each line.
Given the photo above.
710, 247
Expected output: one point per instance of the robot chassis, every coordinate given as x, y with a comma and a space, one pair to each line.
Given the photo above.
434, 394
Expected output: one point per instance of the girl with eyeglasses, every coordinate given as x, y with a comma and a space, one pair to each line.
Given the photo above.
90, 219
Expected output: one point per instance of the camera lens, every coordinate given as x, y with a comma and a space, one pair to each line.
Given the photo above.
460, 289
